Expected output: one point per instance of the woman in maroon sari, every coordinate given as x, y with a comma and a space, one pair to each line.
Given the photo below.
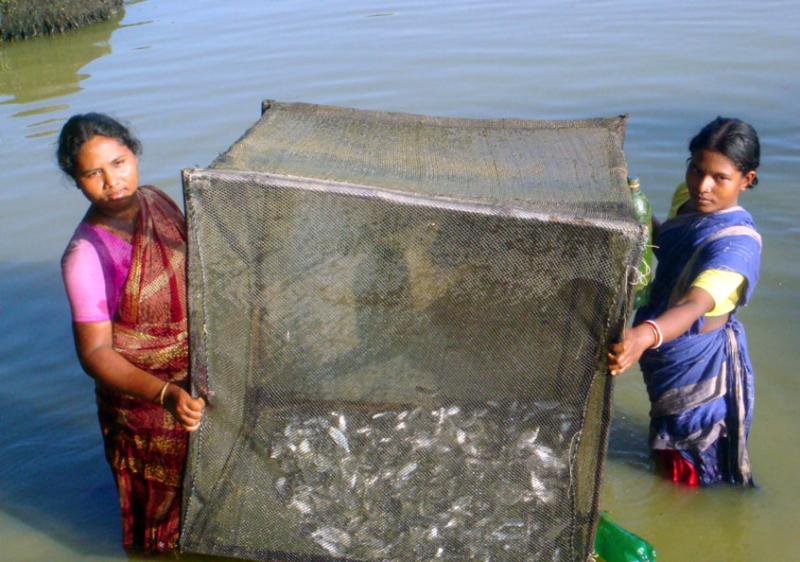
124, 271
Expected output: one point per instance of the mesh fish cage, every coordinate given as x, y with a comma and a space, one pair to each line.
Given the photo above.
400, 321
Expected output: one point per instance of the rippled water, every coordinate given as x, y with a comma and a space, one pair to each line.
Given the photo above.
191, 82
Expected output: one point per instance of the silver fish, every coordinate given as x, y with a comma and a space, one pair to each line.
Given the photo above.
334, 540
541, 490
426, 484
453, 411
407, 470
300, 506
339, 438
527, 440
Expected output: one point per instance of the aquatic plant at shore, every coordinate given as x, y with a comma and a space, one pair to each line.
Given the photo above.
22, 19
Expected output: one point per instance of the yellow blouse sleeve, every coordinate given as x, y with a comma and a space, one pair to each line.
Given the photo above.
725, 287
680, 197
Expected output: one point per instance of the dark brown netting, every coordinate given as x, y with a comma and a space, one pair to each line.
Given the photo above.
400, 321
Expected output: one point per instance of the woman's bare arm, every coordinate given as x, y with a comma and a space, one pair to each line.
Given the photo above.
673, 322
93, 342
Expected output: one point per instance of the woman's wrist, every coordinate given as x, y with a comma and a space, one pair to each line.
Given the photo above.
162, 394
645, 337
658, 336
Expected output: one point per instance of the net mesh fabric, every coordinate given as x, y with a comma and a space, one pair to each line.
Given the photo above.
400, 323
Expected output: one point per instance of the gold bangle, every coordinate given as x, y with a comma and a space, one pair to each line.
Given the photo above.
162, 393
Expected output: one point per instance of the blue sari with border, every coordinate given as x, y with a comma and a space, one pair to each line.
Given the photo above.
701, 384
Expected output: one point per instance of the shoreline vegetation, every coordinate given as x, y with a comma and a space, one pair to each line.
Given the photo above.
23, 19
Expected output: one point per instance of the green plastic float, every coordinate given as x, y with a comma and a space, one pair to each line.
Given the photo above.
612, 543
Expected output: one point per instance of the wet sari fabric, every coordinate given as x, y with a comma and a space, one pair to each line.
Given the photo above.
144, 445
701, 384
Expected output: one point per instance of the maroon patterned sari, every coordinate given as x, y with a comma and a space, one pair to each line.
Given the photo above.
144, 445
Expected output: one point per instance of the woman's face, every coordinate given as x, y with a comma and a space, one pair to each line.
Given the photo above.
107, 174
714, 181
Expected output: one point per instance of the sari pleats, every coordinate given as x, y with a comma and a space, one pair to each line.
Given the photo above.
145, 447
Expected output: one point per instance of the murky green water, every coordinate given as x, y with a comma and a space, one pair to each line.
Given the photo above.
191, 82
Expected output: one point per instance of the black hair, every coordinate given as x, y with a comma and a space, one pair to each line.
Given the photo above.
734, 139
80, 128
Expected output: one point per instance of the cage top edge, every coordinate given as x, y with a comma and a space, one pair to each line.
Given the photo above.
615, 123
197, 178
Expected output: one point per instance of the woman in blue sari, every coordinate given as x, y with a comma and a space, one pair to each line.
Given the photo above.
691, 348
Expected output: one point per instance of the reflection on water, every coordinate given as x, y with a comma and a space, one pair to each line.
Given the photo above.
49, 67
40, 110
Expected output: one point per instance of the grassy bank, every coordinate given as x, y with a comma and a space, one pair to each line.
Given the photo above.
21, 19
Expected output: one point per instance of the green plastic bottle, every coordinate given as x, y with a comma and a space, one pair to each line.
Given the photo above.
612, 543
644, 214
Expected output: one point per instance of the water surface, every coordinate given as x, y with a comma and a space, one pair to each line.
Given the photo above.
191, 81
